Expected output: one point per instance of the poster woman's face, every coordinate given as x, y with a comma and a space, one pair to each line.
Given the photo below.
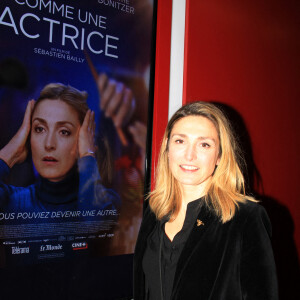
54, 137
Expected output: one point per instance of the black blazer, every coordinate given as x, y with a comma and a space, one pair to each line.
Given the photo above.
231, 261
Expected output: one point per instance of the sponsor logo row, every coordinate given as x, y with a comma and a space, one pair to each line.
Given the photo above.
48, 247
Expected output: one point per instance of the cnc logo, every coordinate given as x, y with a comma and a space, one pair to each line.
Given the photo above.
79, 246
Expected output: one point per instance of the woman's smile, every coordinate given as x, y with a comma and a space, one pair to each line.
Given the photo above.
188, 168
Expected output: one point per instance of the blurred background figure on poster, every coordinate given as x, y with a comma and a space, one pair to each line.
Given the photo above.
123, 100
118, 104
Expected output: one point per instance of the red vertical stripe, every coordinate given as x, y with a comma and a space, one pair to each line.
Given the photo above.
186, 38
162, 76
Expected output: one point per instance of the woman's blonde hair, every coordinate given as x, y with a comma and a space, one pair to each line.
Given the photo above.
226, 189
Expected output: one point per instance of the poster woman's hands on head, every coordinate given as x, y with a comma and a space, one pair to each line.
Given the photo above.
16, 150
86, 138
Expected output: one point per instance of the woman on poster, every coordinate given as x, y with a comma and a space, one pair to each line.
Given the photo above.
201, 237
60, 130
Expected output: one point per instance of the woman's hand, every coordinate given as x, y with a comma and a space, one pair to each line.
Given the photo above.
86, 143
139, 133
117, 100
16, 150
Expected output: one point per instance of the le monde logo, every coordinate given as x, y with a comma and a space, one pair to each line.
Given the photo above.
44, 248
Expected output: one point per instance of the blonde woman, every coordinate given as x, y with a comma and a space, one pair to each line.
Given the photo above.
201, 236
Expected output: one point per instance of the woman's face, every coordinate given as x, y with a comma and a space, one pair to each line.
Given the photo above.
193, 152
54, 137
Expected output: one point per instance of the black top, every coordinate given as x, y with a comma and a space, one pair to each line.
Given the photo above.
170, 251
60, 192
228, 261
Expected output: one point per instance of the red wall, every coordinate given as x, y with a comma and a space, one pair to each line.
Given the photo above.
162, 76
245, 54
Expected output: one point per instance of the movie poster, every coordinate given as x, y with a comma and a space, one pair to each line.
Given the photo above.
72, 179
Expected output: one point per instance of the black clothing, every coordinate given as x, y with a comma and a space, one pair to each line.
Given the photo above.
231, 261
170, 253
